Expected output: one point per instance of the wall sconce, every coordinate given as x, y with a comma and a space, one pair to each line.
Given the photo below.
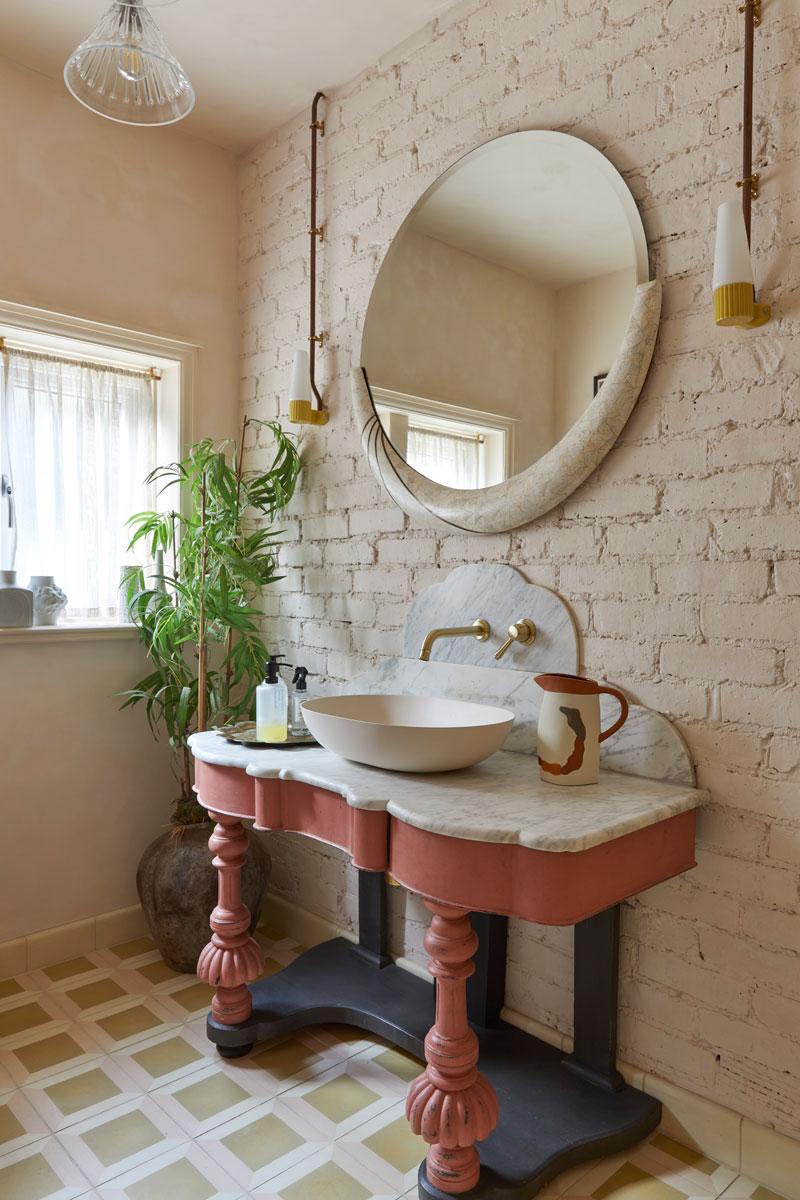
734, 291
303, 385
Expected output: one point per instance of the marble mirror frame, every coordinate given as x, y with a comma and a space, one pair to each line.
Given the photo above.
553, 477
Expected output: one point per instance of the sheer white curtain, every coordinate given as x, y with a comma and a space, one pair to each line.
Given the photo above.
445, 457
81, 440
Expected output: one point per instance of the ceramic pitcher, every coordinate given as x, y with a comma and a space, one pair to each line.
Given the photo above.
569, 733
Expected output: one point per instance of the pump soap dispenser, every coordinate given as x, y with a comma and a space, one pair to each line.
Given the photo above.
272, 704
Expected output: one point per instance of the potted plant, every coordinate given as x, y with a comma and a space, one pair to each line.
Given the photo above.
199, 619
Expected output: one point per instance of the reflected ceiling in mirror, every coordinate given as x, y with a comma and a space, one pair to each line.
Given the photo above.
500, 306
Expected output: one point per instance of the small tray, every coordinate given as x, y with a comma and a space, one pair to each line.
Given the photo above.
243, 734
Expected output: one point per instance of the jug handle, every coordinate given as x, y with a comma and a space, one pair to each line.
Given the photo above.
623, 716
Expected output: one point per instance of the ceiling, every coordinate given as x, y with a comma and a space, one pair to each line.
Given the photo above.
253, 63
539, 203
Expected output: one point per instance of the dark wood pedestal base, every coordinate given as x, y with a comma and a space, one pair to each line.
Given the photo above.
551, 1118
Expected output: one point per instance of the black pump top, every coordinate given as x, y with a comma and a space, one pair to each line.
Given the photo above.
273, 666
299, 679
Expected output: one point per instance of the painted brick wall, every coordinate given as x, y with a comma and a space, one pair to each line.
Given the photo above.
680, 556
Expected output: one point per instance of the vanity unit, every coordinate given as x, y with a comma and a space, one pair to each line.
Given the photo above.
479, 845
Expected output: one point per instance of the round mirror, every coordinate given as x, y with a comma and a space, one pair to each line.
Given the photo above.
501, 306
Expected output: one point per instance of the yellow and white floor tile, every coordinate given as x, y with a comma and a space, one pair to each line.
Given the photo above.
109, 1088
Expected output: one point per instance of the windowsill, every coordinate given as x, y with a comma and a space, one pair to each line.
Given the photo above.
71, 631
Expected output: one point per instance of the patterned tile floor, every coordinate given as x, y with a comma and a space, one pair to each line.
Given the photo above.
109, 1088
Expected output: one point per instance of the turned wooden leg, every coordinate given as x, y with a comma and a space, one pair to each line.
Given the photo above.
450, 1104
231, 959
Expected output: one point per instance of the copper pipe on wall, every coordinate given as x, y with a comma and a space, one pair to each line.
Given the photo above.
315, 339
747, 115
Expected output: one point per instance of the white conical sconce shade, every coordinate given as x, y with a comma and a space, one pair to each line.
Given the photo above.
734, 296
301, 411
125, 71
300, 388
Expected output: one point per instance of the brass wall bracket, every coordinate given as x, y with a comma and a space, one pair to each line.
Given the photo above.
756, 7
316, 337
753, 181
320, 125
318, 232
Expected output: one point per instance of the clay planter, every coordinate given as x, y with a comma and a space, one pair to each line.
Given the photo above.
177, 887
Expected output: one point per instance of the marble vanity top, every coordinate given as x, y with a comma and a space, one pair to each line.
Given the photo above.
499, 800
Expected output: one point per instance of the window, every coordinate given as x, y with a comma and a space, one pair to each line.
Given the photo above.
82, 425
456, 446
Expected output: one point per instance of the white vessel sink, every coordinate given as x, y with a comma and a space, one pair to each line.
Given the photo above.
408, 733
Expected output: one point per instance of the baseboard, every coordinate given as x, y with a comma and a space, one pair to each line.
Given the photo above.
765, 1155
51, 946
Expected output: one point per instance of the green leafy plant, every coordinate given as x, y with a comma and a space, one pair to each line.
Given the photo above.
199, 616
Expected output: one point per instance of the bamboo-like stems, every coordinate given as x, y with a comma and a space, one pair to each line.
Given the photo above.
173, 514
187, 773
229, 639
202, 644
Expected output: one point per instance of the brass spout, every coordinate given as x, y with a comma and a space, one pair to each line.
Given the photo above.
479, 630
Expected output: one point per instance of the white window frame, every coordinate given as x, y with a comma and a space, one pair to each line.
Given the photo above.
38, 329
497, 431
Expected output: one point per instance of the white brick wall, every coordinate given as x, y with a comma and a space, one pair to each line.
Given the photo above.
680, 556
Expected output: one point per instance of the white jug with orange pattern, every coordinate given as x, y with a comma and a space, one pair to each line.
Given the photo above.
569, 733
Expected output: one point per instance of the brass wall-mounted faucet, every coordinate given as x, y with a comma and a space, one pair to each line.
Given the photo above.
523, 631
479, 630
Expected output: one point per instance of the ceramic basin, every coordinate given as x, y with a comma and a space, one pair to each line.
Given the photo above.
408, 733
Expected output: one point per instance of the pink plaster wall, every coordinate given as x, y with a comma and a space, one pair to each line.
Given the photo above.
135, 228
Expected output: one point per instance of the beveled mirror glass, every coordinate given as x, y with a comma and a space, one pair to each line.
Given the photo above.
496, 324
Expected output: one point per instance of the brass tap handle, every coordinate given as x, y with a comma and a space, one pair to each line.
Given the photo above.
523, 631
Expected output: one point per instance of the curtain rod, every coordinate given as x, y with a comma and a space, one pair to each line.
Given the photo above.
92, 363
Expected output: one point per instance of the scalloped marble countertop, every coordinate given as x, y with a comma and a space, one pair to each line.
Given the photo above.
499, 800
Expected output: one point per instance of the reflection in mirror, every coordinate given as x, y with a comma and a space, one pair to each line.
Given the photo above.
502, 299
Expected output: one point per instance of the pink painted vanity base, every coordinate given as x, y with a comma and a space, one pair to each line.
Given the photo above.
451, 1104
297, 808
539, 885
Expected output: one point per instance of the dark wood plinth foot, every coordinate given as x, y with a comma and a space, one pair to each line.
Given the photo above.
235, 1051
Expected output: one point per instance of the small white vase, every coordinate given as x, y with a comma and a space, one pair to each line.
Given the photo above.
16, 603
48, 600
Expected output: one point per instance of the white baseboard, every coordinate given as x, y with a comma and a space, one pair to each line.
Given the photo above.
766, 1156
51, 946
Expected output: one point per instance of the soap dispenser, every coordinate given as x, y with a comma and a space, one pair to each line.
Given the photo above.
272, 704
299, 694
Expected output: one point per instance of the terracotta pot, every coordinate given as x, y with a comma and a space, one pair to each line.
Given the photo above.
177, 887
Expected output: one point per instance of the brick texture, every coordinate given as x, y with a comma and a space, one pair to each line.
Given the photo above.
680, 556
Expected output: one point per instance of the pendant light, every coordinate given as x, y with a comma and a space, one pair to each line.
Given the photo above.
125, 71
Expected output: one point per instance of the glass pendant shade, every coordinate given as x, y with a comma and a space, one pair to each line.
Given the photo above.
125, 71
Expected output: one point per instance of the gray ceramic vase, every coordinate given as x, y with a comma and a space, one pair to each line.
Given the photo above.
177, 887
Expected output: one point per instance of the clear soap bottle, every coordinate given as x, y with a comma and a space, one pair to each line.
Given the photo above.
272, 704
299, 694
